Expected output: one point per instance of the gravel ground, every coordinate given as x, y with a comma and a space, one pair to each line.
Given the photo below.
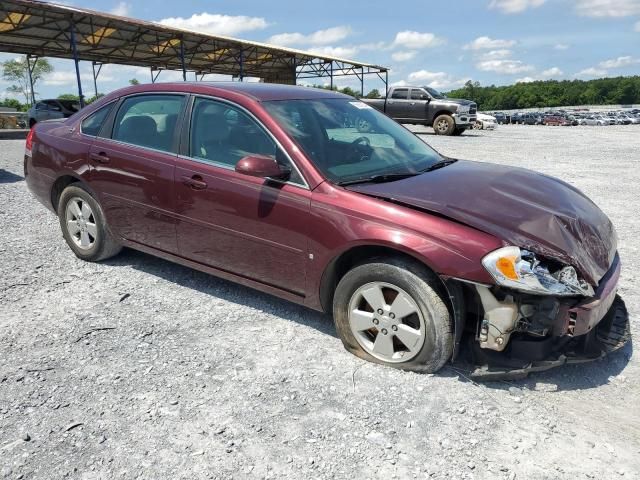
138, 368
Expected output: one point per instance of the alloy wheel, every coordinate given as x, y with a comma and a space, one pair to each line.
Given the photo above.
386, 322
81, 223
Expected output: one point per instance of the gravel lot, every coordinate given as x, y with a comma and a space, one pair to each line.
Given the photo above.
138, 368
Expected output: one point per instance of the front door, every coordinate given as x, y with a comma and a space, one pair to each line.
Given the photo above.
133, 169
418, 103
253, 227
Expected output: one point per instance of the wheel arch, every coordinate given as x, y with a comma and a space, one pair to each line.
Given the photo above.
450, 290
62, 182
344, 261
442, 112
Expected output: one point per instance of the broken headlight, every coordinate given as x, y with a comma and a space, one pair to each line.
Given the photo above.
521, 270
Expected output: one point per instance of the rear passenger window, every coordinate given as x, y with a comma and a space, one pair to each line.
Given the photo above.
93, 123
400, 93
223, 134
149, 121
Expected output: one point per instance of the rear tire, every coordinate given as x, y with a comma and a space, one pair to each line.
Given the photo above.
32, 122
84, 227
415, 330
444, 125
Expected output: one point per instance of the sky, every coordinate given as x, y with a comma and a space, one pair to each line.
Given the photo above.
440, 44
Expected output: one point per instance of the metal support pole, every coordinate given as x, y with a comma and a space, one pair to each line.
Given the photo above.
95, 75
184, 67
386, 82
362, 82
30, 72
241, 65
76, 60
331, 75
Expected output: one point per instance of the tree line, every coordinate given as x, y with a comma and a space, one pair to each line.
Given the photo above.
552, 93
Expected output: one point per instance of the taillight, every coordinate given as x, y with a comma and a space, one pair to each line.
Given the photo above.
29, 145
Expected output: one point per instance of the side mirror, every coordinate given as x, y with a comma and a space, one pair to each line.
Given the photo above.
262, 167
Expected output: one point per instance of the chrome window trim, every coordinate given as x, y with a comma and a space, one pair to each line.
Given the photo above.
120, 142
304, 185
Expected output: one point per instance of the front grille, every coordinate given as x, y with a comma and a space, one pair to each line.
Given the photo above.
473, 109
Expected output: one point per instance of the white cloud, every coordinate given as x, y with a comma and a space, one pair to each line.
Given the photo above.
217, 24
438, 80
619, 62
494, 54
507, 67
525, 80
68, 78
552, 72
637, 27
514, 6
607, 8
122, 9
561, 46
399, 83
320, 37
487, 43
342, 52
416, 40
591, 72
403, 56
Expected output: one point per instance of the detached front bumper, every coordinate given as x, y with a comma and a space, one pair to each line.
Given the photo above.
582, 318
581, 332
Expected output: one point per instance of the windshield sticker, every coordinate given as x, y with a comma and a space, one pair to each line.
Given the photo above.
360, 105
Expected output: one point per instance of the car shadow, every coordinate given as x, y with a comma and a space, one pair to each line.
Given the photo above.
8, 177
565, 377
223, 289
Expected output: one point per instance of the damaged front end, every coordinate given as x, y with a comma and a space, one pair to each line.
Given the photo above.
541, 314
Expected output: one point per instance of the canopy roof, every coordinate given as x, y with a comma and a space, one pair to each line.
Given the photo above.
45, 29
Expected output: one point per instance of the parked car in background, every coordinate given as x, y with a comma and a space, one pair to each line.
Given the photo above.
594, 121
502, 118
531, 119
556, 120
426, 106
268, 186
485, 122
51, 109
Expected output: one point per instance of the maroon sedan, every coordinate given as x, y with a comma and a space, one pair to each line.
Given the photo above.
277, 188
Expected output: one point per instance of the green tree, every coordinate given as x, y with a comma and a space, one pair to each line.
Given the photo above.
17, 72
134, 81
13, 103
69, 96
375, 93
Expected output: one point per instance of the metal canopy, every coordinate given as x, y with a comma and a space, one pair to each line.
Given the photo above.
41, 29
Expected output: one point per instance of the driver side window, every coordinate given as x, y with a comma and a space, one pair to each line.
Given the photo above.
223, 134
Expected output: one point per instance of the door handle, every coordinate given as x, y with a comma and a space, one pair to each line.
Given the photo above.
412, 103
100, 157
195, 182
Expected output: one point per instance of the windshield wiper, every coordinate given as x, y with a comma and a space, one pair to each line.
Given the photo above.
387, 177
440, 164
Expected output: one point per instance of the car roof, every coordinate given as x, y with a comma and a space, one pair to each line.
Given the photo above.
255, 90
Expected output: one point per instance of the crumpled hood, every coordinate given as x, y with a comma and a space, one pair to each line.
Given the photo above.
524, 208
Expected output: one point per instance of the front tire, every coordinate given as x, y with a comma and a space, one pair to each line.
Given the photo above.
444, 125
392, 312
84, 227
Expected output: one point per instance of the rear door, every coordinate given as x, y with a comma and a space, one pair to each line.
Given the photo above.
253, 227
133, 167
398, 104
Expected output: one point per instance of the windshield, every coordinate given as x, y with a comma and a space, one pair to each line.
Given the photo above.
435, 93
347, 140
71, 105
